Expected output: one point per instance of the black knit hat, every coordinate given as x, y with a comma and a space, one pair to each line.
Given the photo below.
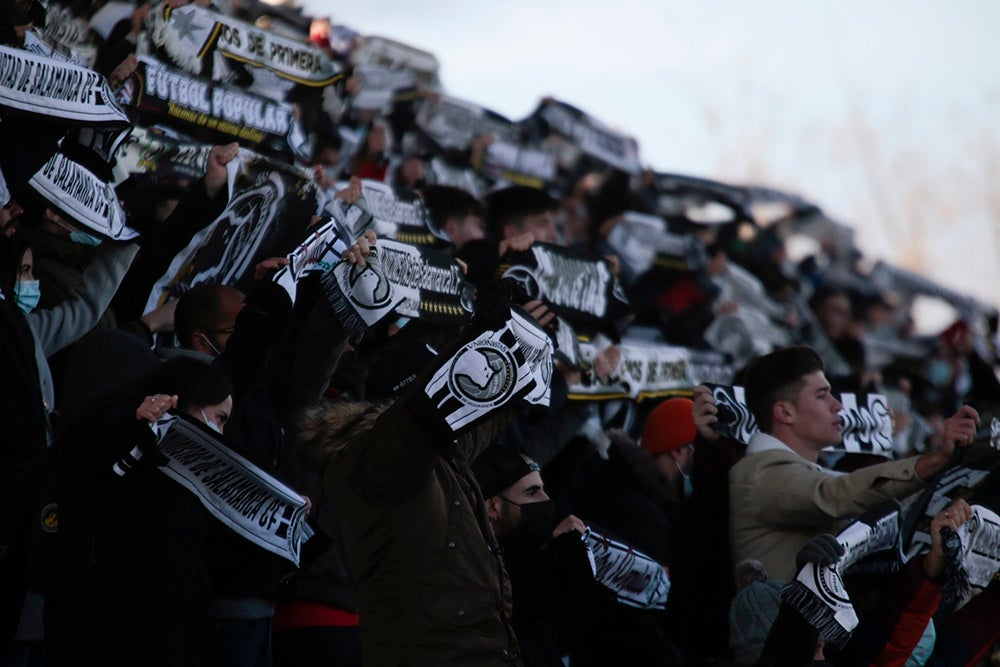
500, 468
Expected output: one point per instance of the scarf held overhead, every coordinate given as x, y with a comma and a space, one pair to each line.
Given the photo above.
580, 288
191, 35
57, 90
492, 370
390, 214
431, 284
591, 135
219, 112
80, 196
866, 419
266, 198
320, 251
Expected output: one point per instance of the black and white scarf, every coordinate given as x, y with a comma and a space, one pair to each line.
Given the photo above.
411, 281
578, 287
453, 123
441, 172
389, 213
361, 296
78, 195
146, 152
746, 333
191, 36
735, 421
216, 111
320, 251
648, 370
591, 135
973, 552
40, 45
431, 284
893, 279
268, 199
974, 561
636, 579
490, 371
238, 493
867, 422
70, 34
396, 56
700, 200
379, 85
818, 591
57, 90
567, 344
642, 242
707, 366
518, 165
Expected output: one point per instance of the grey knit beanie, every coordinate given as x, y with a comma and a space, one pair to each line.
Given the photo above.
751, 615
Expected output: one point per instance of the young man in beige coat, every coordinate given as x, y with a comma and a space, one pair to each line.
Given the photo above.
779, 496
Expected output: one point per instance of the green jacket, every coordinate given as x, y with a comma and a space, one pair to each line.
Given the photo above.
431, 585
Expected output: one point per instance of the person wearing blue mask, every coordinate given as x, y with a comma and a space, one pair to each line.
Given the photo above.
668, 437
27, 289
62, 249
29, 335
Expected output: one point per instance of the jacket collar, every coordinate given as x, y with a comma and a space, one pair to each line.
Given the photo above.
763, 442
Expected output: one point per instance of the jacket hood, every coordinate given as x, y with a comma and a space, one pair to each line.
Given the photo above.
325, 430
641, 467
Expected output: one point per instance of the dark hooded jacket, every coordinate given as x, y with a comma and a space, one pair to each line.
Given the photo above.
431, 584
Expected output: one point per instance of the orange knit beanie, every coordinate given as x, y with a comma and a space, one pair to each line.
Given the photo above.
669, 426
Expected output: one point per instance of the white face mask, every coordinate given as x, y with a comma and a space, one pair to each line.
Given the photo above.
209, 423
212, 345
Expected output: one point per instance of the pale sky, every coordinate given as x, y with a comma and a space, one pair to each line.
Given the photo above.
885, 114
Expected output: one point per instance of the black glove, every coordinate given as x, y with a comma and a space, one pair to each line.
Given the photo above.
493, 308
823, 550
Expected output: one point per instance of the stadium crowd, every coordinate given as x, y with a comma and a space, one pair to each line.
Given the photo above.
307, 362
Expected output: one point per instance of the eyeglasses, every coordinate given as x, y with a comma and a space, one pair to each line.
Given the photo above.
228, 330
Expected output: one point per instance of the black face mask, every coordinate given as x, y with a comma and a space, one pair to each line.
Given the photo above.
537, 522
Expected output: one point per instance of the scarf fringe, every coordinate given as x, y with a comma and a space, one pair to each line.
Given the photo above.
816, 613
956, 585
180, 54
354, 326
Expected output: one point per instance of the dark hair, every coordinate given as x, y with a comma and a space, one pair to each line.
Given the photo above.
196, 383
444, 202
12, 251
777, 376
200, 308
326, 135
823, 293
511, 205
852, 350
498, 468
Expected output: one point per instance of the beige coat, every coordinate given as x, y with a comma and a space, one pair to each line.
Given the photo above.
778, 501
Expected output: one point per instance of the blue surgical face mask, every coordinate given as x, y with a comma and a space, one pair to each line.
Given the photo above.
938, 372
83, 238
27, 293
76, 236
688, 486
